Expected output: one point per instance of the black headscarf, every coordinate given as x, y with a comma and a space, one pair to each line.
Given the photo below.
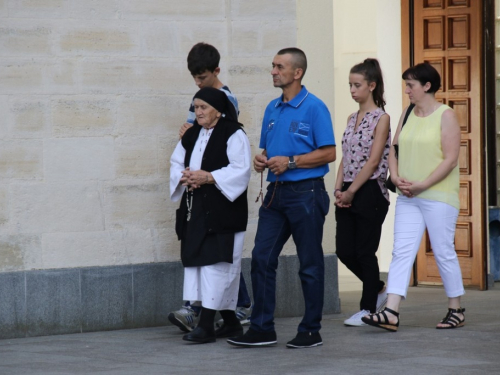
219, 100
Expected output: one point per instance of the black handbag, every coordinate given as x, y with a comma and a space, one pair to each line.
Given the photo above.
388, 183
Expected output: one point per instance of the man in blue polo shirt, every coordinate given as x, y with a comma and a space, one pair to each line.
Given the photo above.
298, 143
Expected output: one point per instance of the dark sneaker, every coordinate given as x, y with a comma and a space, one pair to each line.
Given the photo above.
305, 340
229, 331
254, 339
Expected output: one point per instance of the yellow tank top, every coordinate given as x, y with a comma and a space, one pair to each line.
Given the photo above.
420, 153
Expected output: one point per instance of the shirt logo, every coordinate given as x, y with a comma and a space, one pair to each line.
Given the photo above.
303, 129
293, 127
270, 126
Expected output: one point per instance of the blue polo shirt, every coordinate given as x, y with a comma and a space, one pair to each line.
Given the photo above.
296, 127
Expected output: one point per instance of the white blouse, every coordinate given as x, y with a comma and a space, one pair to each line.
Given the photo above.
231, 180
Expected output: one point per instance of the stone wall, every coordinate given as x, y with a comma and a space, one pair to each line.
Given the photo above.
86, 299
92, 95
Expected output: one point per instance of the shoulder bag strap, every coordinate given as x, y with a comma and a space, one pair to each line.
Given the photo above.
408, 111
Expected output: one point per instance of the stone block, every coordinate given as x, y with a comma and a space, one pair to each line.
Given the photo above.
20, 76
253, 73
189, 10
120, 297
166, 146
248, 114
58, 207
21, 159
53, 302
332, 299
83, 117
7, 115
255, 146
24, 39
246, 38
107, 298
211, 32
157, 292
288, 284
134, 76
61, 77
28, 117
278, 35
133, 246
20, 252
39, 8
149, 115
13, 306
71, 250
104, 248
177, 108
84, 159
95, 10
4, 205
136, 157
161, 39
262, 9
165, 149
167, 246
136, 204
100, 38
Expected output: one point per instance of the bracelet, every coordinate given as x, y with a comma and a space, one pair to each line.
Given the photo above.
206, 176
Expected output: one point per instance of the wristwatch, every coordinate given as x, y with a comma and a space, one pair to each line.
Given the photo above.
291, 163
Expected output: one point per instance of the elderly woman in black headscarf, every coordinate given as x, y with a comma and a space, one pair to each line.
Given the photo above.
210, 171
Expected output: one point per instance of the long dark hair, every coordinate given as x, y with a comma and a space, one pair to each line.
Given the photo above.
370, 69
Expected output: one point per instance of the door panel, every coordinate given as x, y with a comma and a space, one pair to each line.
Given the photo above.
448, 35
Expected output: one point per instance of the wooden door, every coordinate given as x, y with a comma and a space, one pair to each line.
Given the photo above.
448, 35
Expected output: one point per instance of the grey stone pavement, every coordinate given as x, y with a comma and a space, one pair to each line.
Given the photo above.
417, 348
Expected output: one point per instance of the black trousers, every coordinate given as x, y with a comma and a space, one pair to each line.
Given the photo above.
358, 236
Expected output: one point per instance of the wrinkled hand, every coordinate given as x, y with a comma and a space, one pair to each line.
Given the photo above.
260, 163
185, 176
183, 128
195, 179
278, 164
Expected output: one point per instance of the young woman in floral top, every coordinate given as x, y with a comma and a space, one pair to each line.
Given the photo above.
361, 196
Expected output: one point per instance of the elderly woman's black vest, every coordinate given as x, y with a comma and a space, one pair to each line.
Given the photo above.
221, 215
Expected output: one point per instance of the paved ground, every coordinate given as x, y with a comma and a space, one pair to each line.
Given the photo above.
417, 348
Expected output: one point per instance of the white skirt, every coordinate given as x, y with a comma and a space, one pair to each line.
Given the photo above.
216, 286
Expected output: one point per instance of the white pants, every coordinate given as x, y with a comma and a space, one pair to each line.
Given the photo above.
413, 215
216, 286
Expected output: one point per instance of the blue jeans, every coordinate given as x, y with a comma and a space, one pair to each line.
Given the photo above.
243, 296
297, 209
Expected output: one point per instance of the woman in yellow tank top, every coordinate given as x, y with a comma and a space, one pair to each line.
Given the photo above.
427, 180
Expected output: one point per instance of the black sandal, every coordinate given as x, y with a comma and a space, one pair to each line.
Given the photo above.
452, 319
382, 323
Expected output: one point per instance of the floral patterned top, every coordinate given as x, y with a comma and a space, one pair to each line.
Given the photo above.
357, 146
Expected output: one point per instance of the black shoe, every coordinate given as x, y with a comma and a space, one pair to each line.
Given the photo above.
305, 340
254, 339
229, 331
200, 335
